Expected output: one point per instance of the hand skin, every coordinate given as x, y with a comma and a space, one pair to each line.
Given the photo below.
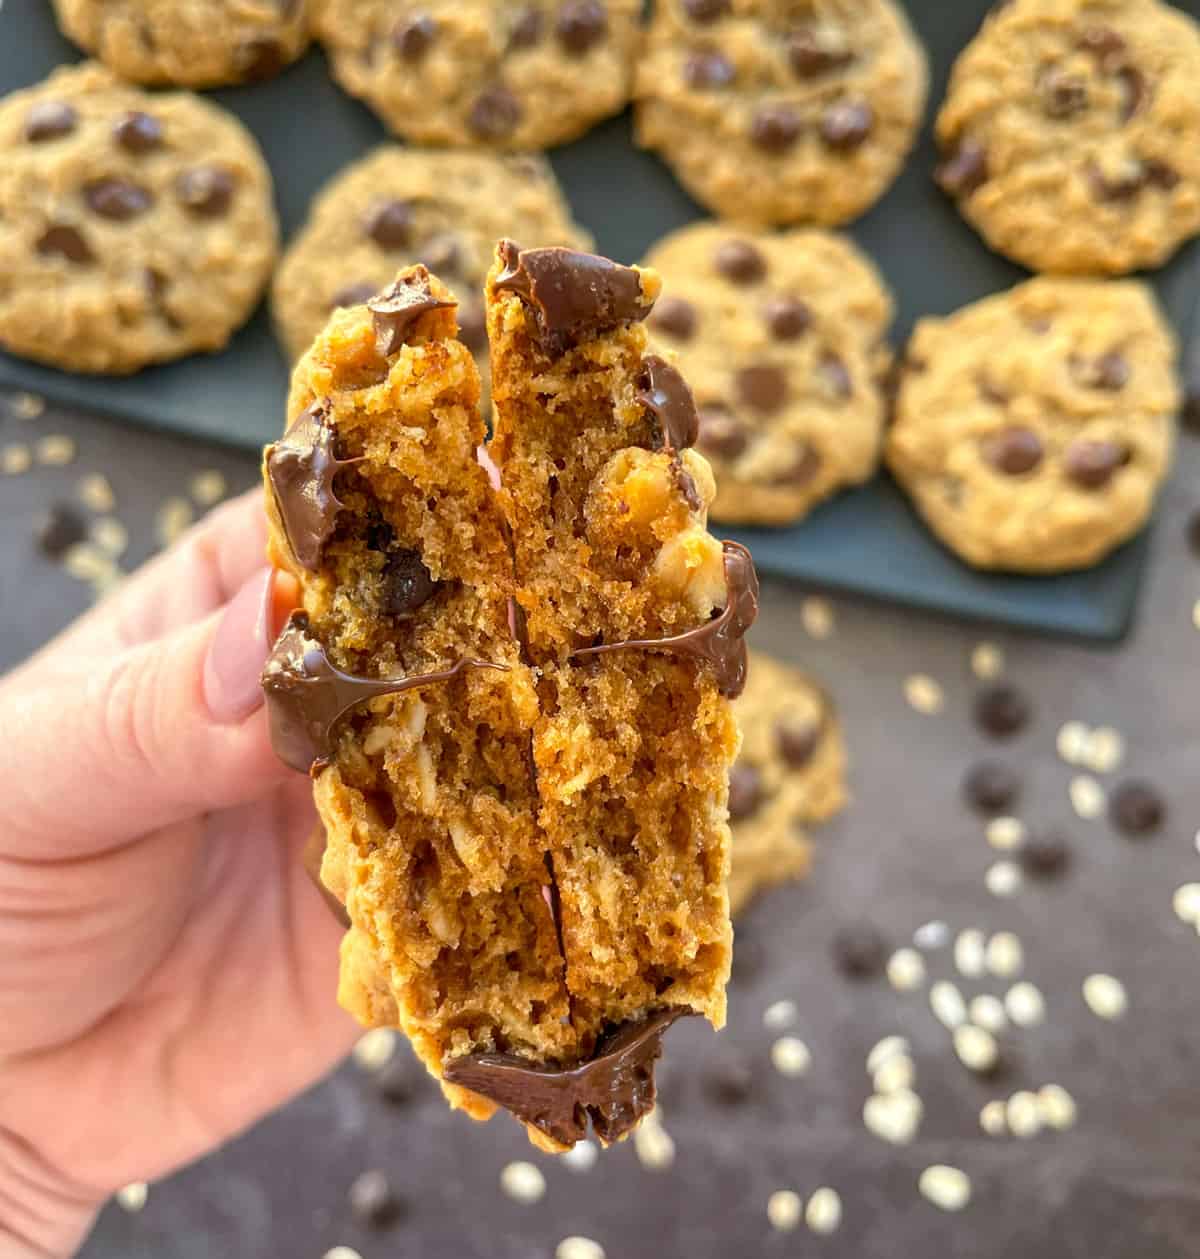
167, 969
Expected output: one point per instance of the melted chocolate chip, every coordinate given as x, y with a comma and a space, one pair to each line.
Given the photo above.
787, 317
372, 1202
963, 170
1092, 464
205, 191
762, 386
495, 114
1158, 174
991, 787
117, 199
775, 128
353, 294
1045, 855
615, 1089
797, 740
259, 58
581, 25
65, 241
414, 36
59, 530
665, 394
137, 132
745, 791
526, 29
407, 584
708, 69
674, 317
389, 223
1133, 91
1001, 710
859, 951
721, 433
1063, 95
396, 310
812, 52
835, 376
1104, 44
49, 120
705, 11
1136, 808
307, 695
572, 295
1013, 451
1107, 371
803, 468
846, 124
740, 262
472, 327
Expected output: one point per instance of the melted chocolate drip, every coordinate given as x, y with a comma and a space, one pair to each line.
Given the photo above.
615, 1089
572, 294
665, 394
722, 640
397, 308
307, 695
301, 467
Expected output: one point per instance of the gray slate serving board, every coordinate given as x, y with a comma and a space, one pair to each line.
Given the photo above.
867, 541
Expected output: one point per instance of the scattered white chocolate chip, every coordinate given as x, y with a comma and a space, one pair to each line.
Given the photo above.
581, 1157
174, 516
1196, 614
15, 458
653, 1143
780, 1014
1023, 1114
1056, 1107
1005, 833
784, 1210
992, 1119
790, 1056
946, 1187
87, 562
976, 1047
374, 1048
1087, 797
96, 494
110, 535
987, 661
987, 1012
1105, 750
893, 1117
1003, 878
1072, 742
931, 935
889, 1047
1196, 842
578, 1248
816, 615
133, 1196
1186, 903
56, 450
969, 955
1105, 996
896, 1075
26, 406
924, 694
905, 970
1005, 956
823, 1214
342, 1252
947, 1004
1025, 1004
523, 1182
208, 487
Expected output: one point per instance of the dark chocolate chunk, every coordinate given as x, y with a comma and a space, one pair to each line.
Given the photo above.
615, 1089
1092, 464
439, 253
745, 791
572, 295
495, 113
307, 695
117, 199
731, 1083
1045, 855
1136, 808
721, 433
802, 469
1107, 371
705, 11
665, 394
963, 170
674, 317
372, 1202
846, 124
389, 223
859, 951
407, 584
1133, 91
66, 241
138, 132
835, 376
354, 294
259, 58
59, 530
1159, 174
414, 36
526, 29
812, 53
1103, 43
398, 308
787, 317
797, 740
1014, 450
991, 787
1063, 95
708, 69
205, 191
472, 327
739, 261
762, 386
581, 25
50, 120
1001, 710
775, 128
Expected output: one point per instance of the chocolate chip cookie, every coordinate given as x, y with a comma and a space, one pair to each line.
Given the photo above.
134, 228
782, 339
774, 112
396, 206
1070, 134
483, 72
191, 43
1033, 429
790, 774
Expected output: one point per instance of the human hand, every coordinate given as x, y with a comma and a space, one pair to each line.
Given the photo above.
167, 969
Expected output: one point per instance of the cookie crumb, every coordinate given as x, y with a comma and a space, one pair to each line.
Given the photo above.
96, 493
374, 1048
924, 694
816, 615
15, 458
208, 487
905, 970
823, 1214
1025, 1004
947, 1188
1105, 996
174, 517
132, 1197
987, 661
523, 1182
56, 450
790, 1056
784, 1210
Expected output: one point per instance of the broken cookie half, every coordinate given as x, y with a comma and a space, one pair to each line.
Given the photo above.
514, 700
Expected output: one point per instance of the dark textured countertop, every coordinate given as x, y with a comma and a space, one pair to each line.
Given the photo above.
1123, 1181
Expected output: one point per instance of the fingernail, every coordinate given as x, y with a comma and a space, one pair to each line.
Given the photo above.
239, 650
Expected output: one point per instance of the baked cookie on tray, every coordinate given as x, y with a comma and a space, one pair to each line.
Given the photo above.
1071, 133
134, 228
781, 336
515, 702
1033, 429
790, 774
191, 43
483, 72
772, 111
398, 206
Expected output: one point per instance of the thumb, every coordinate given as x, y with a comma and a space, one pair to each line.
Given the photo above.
166, 730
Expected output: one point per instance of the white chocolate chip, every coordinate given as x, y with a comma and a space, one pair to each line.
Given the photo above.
969, 953
924, 694
1005, 833
1105, 996
96, 493
780, 1014
992, 1119
905, 970
987, 661
1023, 1114
1005, 956
578, 1248
208, 487
823, 1214
523, 1182
893, 1117
1056, 1107
784, 1210
947, 1188
1025, 1004
790, 1056
1072, 742
56, 450
947, 1004
1003, 878
581, 1157
816, 615
132, 1197
174, 517
896, 1075
374, 1048
987, 1012
889, 1047
15, 459
975, 1047
1087, 797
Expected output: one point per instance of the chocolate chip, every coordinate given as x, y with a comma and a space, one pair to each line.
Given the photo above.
963, 170
259, 58
774, 128
1013, 451
59, 530
745, 791
1104, 44
388, 223
991, 787
526, 29
1107, 371
1133, 90
1063, 95
1119, 185
812, 52
859, 952
1092, 464
1136, 807
1001, 710
407, 584
49, 120
66, 241
803, 468
495, 113
117, 199
846, 124
731, 1083
354, 294
1159, 174
414, 36
137, 132
707, 70
797, 740
1045, 855
674, 317
205, 191
472, 327
763, 386
835, 376
787, 317
372, 1202
705, 11
581, 25
740, 261
721, 434
439, 253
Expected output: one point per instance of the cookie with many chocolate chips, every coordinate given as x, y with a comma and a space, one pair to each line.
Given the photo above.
779, 112
398, 206
134, 228
191, 43
790, 774
495, 73
1033, 429
1069, 134
781, 337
